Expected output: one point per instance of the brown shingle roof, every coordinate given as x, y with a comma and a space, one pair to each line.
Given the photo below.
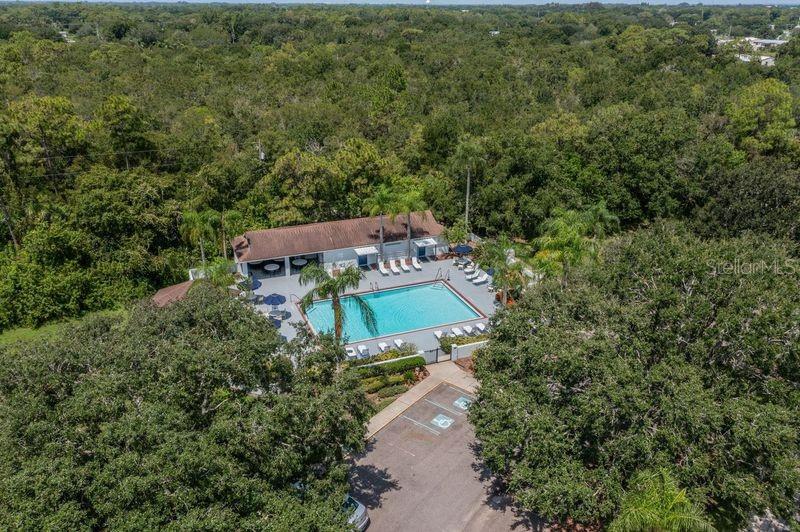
170, 294
325, 236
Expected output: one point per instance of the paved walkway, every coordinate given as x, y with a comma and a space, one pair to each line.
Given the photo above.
438, 373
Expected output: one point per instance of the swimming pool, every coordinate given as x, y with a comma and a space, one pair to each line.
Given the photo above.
397, 310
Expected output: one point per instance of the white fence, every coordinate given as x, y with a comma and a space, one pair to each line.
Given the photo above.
465, 350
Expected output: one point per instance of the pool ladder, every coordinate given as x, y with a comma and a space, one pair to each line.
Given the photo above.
373, 286
438, 281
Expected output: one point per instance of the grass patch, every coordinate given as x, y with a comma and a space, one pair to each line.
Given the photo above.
50, 330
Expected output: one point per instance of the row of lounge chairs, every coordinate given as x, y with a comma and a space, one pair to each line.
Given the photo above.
474, 274
468, 330
362, 351
396, 265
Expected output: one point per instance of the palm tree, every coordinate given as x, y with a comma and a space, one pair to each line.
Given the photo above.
411, 201
381, 203
197, 227
655, 503
510, 279
219, 272
327, 286
468, 154
226, 220
569, 236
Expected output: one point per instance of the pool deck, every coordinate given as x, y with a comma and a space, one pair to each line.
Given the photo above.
477, 295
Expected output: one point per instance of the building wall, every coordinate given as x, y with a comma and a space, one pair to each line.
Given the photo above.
347, 256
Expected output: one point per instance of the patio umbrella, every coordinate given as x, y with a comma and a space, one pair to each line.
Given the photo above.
461, 249
275, 322
256, 283
274, 300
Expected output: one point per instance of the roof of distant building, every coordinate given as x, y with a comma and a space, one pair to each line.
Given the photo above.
326, 236
170, 294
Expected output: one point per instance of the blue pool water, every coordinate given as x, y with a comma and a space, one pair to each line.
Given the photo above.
396, 310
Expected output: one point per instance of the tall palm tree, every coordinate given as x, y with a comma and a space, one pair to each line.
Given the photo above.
410, 201
227, 220
469, 154
655, 503
329, 287
382, 202
197, 227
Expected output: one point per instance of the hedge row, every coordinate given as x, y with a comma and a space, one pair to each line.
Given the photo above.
373, 384
447, 342
390, 391
397, 366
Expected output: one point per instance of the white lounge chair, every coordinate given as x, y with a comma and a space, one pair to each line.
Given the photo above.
363, 350
382, 268
393, 267
473, 275
383, 346
481, 327
404, 266
457, 332
470, 269
469, 330
415, 263
480, 280
438, 334
399, 342
352, 354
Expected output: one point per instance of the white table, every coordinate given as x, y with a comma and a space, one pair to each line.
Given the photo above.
299, 262
271, 267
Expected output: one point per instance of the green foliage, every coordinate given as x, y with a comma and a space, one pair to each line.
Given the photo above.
186, 417
391, 391
446, 343
762, 117
294, 115
374, 384
333, 287
671, 352
654, 502
388, 368
569, 237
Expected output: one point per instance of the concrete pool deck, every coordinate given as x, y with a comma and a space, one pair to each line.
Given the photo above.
477, 295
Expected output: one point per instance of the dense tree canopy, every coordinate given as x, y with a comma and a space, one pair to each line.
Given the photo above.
672, 353
190, 417
136, 114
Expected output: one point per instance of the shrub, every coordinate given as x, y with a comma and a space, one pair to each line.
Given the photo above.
406, 350
397, 366
447, 342
390, 391
374, 384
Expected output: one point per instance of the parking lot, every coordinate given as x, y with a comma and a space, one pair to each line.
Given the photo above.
420, 472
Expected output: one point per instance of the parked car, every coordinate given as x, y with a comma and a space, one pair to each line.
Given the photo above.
359, 517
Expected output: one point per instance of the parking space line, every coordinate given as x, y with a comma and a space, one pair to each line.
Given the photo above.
405, 451
414, 421
444, 407
462, 392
